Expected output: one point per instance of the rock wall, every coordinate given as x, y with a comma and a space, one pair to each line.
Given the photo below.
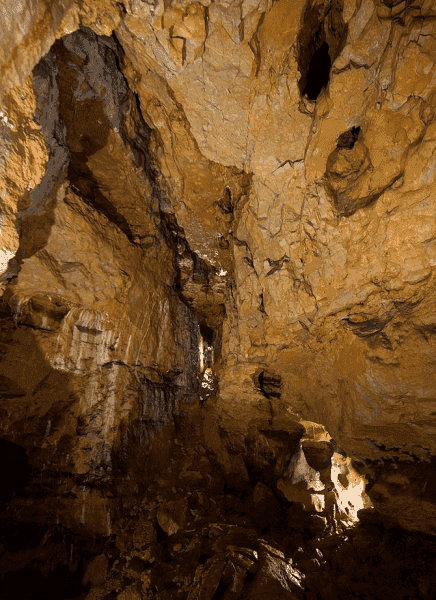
98, 350
257, 174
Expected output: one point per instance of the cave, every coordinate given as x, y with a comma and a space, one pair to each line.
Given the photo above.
320, 41
318, 73
217, 305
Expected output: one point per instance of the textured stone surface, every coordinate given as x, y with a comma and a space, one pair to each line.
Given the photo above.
218, 224
173, 515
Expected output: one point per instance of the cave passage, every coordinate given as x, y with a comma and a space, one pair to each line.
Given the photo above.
206, 354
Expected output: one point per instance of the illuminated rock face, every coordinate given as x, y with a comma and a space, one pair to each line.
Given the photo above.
257, 179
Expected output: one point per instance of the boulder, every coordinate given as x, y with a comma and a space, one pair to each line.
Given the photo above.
275, 578
96, 571
318, 454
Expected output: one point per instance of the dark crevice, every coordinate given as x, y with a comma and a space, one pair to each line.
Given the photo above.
201, 271
321, 39
255, 45
393, 3
318, 73
268, 382
249, 579
221, 590
276, 265
262, 304
348, 138
122, 8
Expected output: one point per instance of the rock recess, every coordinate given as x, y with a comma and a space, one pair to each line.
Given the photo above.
217, 305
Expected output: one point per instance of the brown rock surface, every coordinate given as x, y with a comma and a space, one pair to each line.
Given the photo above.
217, 226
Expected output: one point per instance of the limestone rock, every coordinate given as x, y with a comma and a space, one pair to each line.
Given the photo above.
173, 515
263, 171
263, 505
96, 571
275, 578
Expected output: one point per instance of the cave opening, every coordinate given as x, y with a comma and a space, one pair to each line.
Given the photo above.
322, 36
318, 73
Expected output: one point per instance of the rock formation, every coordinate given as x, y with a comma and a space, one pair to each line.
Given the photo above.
218, 311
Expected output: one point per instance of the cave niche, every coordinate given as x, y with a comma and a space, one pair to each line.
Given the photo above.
322, 36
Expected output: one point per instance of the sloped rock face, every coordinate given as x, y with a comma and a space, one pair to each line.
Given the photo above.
217, 225
79, 332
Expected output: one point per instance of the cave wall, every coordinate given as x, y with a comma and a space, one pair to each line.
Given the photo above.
99, 352
285, 199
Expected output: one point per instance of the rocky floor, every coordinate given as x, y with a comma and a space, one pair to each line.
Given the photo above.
225, 560
193, 537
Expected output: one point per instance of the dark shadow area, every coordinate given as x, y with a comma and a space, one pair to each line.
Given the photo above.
222, 588
38, 557
321, 39
348, 138
318, 73
15, 470
268, 382
30, 584
44, 561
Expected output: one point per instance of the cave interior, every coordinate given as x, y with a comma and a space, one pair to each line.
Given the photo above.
217, 307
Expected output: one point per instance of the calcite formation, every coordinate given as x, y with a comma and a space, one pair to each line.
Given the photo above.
217, 292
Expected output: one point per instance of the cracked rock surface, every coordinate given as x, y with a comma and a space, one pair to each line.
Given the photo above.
217, 304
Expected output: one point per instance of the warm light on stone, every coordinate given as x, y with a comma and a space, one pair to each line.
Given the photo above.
349, 487
218, 307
